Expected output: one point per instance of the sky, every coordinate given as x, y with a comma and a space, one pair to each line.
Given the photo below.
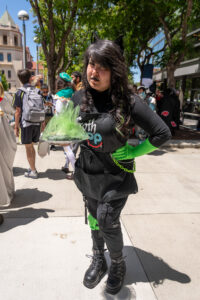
13, 7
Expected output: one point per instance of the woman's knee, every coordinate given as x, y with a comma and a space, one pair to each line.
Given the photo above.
106, 217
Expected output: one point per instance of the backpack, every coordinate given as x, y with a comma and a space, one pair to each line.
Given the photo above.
32, 105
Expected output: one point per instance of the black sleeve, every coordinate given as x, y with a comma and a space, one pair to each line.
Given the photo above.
18, 99
77, 98
148, 120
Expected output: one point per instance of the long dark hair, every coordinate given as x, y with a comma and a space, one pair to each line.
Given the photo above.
108, 54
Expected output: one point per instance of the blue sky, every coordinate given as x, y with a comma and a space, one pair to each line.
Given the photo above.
13, 7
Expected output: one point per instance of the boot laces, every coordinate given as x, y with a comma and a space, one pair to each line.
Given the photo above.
117, 268
96, 261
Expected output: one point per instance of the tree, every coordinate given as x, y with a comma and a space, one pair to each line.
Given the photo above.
4, 81
174, 17
139, 22
64, 30
55, 20
135, 23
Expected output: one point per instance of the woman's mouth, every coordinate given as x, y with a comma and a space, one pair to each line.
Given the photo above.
94, 79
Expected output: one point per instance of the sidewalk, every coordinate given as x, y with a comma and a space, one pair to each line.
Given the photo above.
44, 239
183, 138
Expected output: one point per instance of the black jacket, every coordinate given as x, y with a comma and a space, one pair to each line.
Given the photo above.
96, 174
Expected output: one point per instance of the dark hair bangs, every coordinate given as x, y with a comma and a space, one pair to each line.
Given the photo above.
97, 56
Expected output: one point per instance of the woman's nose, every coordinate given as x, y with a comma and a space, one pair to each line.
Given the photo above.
94, 71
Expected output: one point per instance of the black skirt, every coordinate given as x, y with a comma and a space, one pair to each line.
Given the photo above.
97, 176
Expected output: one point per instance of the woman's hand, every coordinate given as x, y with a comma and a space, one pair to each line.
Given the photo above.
125, 152
130, 152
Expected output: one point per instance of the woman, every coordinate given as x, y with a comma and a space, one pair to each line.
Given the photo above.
8, 149
104, 169
63, 95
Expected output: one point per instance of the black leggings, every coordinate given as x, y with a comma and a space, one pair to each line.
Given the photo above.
111, 233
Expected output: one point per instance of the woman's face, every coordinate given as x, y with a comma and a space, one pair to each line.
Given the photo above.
61, 84
99, 78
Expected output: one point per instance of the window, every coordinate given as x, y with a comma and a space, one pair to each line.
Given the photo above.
9, 73
9, 57
1, 56
15, 40
9, 85
5, 40
2, 72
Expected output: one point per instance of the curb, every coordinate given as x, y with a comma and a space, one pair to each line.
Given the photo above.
182, 144
174, 144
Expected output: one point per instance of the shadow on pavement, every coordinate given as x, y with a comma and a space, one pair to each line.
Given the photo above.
17, 171
25, 197
156, 269
54, 174
161, 152
126, 293
22, 217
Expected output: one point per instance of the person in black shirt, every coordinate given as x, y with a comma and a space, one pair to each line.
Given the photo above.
104, 170
30, 132
48, 103
169, 109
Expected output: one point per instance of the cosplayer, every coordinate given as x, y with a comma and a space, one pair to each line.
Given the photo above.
63, 95
8, 147
104, 171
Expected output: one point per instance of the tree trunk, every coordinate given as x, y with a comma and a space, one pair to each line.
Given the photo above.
51, 80
141, 72
170, 76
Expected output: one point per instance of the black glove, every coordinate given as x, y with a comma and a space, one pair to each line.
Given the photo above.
104, 215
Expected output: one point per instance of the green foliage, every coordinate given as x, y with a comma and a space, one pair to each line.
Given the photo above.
64, 36
136, 22
4, 81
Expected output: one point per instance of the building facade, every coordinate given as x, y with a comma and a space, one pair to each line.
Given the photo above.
187, 75
11, 51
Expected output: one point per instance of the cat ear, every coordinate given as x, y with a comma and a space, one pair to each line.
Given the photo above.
94, 37
119, 42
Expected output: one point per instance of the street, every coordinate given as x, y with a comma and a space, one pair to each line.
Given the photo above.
44, 239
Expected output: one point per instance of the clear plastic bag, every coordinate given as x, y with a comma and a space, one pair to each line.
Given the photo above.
63, 128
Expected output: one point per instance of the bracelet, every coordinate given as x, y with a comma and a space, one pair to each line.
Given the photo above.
123, 168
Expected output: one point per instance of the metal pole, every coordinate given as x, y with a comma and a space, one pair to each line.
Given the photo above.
37, 60
24, 49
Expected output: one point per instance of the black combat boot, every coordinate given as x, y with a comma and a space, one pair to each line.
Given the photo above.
116, 276
96, 270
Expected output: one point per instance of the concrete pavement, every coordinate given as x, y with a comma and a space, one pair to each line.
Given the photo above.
44, 240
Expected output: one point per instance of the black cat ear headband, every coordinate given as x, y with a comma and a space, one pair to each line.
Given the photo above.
118, 40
